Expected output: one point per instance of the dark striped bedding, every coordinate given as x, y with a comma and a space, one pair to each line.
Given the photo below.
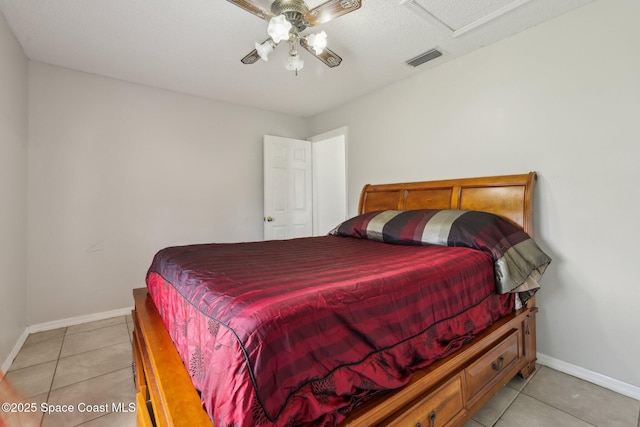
300, 331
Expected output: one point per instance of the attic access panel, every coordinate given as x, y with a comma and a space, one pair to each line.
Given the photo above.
461, 16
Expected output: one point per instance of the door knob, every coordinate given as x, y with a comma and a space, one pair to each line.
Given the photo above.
269, 219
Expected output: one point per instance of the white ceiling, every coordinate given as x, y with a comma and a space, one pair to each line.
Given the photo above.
195, 46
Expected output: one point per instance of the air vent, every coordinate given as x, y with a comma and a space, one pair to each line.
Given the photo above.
424, 57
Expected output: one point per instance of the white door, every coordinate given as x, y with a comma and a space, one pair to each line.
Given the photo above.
288, 194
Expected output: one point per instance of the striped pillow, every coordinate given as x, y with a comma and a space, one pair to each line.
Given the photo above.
519, 263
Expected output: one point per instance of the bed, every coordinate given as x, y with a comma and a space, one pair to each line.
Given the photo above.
414, 378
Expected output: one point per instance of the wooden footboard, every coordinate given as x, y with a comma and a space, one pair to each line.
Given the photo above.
448, 392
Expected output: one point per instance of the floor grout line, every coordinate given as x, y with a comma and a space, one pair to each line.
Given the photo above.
55, 369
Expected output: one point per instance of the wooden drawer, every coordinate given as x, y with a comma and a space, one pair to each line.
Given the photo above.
491, 366
438, 409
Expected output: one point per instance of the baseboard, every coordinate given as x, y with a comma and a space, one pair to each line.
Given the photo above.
71, 321
16, 348
593, 377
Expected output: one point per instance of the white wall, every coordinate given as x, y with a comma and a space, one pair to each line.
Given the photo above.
563, 99
118, 171
13, 190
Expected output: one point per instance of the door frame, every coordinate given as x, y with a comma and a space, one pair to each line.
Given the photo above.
317, 139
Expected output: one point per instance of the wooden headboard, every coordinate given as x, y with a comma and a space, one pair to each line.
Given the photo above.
510, 196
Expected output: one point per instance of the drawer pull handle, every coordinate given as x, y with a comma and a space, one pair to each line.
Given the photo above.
432, 418
498, 365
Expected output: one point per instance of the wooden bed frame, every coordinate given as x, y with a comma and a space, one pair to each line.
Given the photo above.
446, 393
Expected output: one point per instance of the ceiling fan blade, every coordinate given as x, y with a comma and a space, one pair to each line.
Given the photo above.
253, 8
254, 56
329, 57
251, 58
331, 9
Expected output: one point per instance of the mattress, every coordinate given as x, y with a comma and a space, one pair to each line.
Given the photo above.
302, 331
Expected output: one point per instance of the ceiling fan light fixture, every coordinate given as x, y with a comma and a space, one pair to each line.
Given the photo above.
318, 42
295, 63
279, 28
265, 49
289, 19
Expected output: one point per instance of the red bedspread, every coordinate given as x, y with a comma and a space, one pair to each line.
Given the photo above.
300, 331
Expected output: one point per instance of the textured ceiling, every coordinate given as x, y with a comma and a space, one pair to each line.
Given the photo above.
195, 46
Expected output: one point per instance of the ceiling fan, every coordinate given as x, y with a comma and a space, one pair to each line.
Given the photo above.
287, 20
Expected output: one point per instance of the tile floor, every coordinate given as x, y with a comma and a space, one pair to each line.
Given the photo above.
91, 364
88, 364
